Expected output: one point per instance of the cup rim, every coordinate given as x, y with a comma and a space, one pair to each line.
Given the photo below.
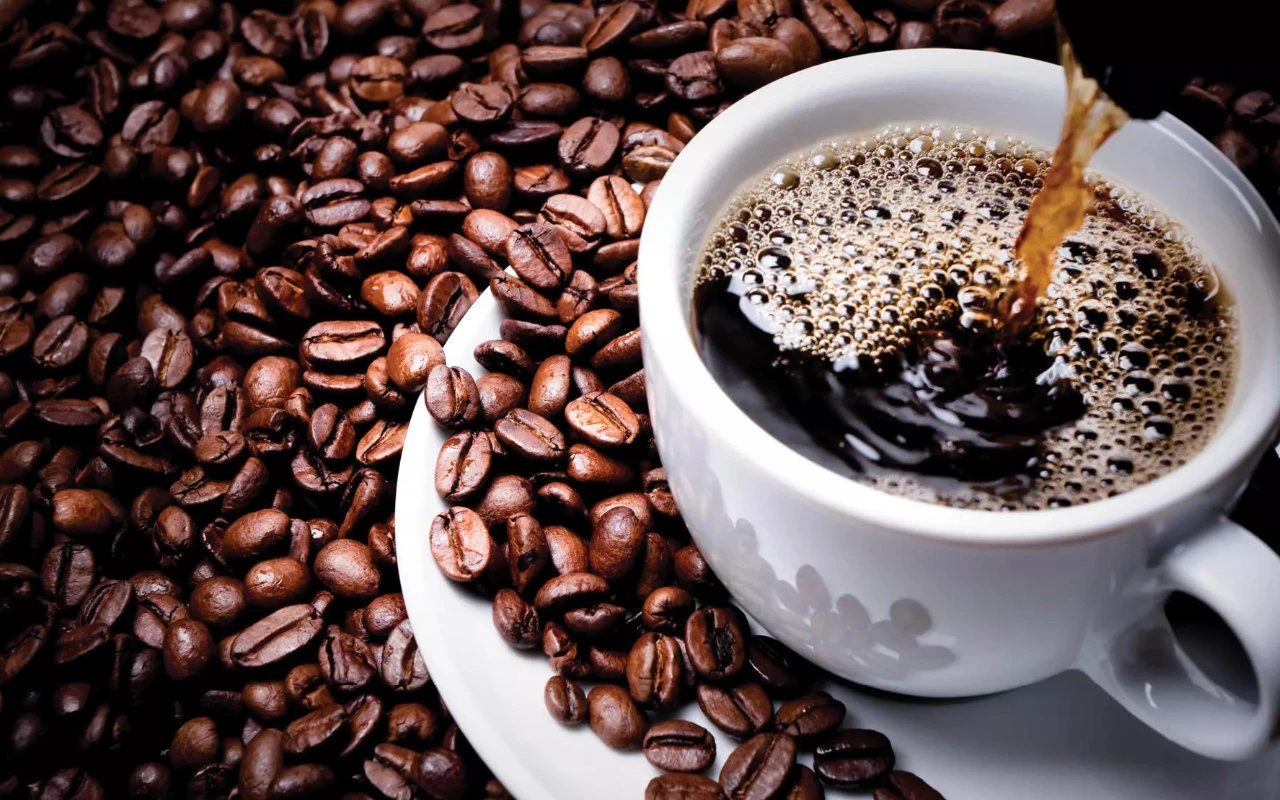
668, 337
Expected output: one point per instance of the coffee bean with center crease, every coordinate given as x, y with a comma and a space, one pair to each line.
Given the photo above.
740, 711
452, 397
454, 27
68, 573
803, 784
602, 419
775, 667
342, 343
71, 132
612, 26
403, 668
565, 701
482, 103
683, 786
693, 77
460, 544
655, 674
463, 465
443, 302
839, 28
809, 716
716, 642
622, 207
906, 786
277, 636
519, 299
539, 255
853, 759
516, 621
588, 146
61, 343
530, 436
759, 768
679, 746
578, 222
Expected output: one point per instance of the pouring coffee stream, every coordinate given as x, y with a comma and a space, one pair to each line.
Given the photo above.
1060, 206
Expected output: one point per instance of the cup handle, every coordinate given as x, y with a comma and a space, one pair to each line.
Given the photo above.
1140, 664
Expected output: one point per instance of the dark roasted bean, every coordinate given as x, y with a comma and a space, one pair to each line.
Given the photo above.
679, 746
759, 767
855, 759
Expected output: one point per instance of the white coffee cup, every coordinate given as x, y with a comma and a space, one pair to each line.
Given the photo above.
929, 600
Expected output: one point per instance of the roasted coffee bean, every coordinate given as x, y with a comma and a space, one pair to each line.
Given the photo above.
752, 62
539, 255
403, 668
740, 711
906, 786
552, 60
527, 552
588, 146
694, 574
256, 534
617, 540
499, 356
455, 27
452, 397
615, 719
573, 590
565, 548
803, 784
588, 465
839, 28
346, 568
540, 180
461, 544
463, 465
775, 667
716, 643
854, 759
679, 746
915, 33
549, 390
759, 767
506, 496
683, 786
275, 637
68, 573
517, 621
410, 360
565, 701
530, 436
809, 716
443, 302
655, 675
218, 601
521, 300
602, 419
188, 646
962, 23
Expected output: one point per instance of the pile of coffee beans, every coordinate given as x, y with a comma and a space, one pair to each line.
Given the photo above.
232, 239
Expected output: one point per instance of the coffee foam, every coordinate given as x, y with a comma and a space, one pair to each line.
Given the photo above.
850, 249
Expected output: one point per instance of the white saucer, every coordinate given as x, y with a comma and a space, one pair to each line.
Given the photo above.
1058, 740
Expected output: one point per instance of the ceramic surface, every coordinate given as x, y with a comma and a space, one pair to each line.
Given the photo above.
927, 600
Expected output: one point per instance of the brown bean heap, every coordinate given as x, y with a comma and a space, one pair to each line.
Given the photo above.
232, 239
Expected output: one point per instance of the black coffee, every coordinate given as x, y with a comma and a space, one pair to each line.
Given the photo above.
847, 302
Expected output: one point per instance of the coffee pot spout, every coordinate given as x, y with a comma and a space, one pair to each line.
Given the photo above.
1143, 52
